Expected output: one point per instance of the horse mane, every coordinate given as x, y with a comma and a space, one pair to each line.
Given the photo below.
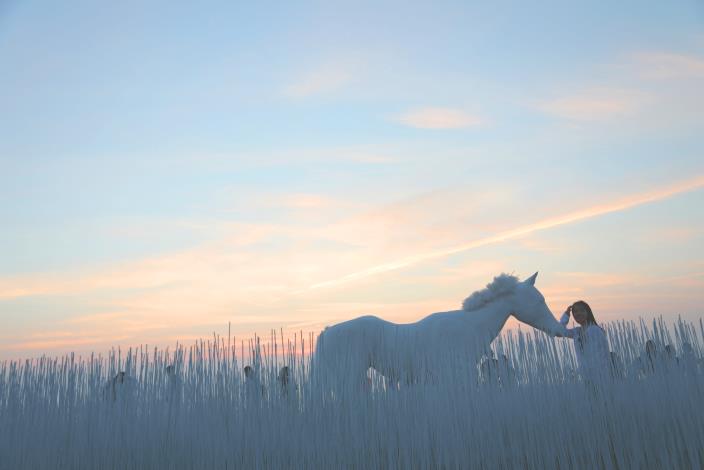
502, 285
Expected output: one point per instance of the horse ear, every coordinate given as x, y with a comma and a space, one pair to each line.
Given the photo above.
531, 280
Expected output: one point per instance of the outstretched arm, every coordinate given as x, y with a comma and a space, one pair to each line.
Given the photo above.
564, 319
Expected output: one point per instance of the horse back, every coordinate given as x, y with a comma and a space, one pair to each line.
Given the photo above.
359, 334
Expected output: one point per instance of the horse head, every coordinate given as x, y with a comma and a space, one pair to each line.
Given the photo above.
530, 308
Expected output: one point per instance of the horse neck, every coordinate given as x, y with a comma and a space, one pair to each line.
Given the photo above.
490, 319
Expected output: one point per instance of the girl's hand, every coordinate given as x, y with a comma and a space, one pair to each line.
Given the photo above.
568, 310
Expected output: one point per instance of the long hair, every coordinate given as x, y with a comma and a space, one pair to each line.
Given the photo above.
590, 315
590, 319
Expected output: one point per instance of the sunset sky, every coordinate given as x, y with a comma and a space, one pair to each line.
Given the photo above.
167, 167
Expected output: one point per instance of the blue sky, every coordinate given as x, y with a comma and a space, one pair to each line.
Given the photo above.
168, 168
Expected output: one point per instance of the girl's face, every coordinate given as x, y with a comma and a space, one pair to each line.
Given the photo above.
580, 314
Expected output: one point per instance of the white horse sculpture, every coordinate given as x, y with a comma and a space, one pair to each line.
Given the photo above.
409, 352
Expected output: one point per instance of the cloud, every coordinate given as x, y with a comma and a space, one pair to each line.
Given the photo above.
614, 294
591, 280
63, 343
231, 268
154, 272
538, 245
307, 201
378, 154
247, 275
668, 235
596, 104
641, 92
325, 79
245, 279
577, 216
439, 118
669, 65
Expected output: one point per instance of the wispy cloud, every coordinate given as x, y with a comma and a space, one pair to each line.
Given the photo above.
299, 157
439, 118
670, 235
154, 272
245, 279
596, 104
577, 216
324, 79
540, 245
307, 201
228, 269
669, 65
613, 294
63, 343
247, 274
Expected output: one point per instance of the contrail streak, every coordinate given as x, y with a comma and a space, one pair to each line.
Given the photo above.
621, 205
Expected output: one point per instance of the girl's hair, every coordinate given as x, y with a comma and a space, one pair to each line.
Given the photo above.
588, 309
590, 319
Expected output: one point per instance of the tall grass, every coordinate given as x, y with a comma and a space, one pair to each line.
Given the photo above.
534, 411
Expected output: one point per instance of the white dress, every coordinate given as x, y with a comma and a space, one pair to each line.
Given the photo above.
592, 348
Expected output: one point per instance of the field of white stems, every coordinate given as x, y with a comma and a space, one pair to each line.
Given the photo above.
530, 409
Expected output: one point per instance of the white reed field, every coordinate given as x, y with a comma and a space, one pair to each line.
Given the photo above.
194, 407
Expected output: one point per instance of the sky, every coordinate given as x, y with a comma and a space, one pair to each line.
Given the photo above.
169, 168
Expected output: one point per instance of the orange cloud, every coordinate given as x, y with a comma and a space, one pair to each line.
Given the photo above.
577, 216
206, 287
439, 118
624, 292
596, 104
325, 79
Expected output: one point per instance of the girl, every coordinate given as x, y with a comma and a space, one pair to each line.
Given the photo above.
589, 340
